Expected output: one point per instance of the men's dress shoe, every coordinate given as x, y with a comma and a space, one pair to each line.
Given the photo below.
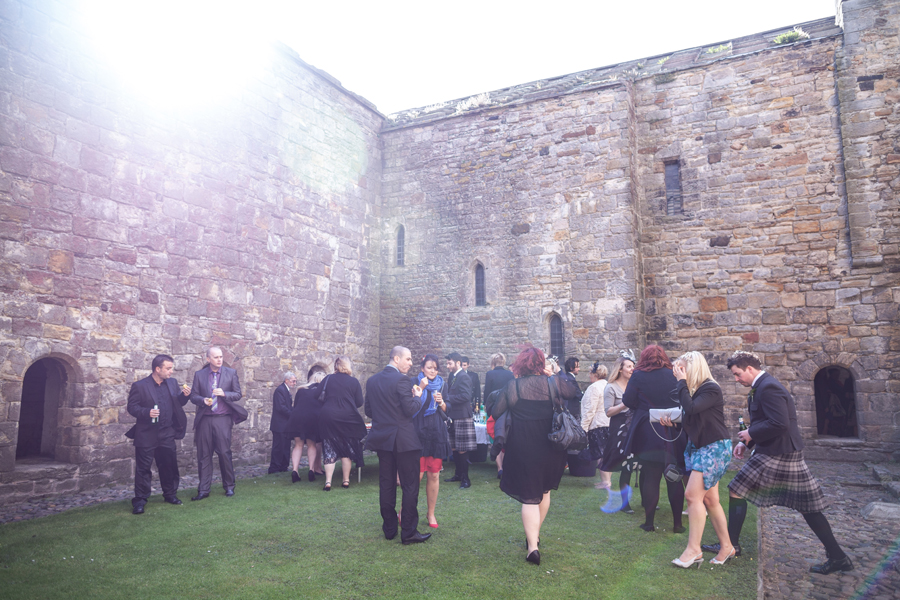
416, 538
229, 493
716, 547
173, 500
200, 497
465, 483
454, 478
831, 565
138, 510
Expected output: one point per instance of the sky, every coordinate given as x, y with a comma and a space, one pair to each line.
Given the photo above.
401, 54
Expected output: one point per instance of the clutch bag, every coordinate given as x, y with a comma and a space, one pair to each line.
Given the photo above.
673, 413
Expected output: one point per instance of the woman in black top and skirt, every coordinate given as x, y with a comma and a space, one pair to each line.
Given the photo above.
533, 465
495, 380
431, 425
304, 425
654, 445
341, 426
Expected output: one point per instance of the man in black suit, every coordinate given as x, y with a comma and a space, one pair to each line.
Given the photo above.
776, 472
476, 384
458, 397
216, 392
156, 402
392, 400
281, 412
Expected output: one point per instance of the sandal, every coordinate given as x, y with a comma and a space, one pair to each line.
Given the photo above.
327, 487
345, 484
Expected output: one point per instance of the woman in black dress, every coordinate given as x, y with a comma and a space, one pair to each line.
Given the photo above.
650, 387
304, 425
341, 426
431, 426
533, 465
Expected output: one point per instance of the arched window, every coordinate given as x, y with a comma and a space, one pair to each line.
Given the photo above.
42, 388
401, 249
557, 340
480, 299
835, 402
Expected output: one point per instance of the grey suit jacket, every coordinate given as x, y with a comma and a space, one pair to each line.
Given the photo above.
228, 381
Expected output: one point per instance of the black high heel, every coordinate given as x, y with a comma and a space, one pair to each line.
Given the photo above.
534, 557
311, 475
295, 477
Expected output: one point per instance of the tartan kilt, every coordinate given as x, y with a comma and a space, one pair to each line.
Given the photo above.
782, 480
462, 435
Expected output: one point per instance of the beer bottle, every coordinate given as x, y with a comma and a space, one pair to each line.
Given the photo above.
741, 425
155, 419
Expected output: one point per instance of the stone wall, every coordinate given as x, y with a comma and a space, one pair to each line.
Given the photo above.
128, 231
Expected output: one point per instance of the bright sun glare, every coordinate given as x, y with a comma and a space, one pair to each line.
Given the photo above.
178, 53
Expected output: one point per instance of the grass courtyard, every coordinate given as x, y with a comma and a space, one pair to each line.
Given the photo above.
278, 540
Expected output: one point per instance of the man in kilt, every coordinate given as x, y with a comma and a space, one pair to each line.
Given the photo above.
776, 473
458, 396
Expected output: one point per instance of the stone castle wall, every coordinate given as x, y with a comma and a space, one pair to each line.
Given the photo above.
128, 231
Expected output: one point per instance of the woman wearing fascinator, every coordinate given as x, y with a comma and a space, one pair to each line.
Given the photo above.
432, 429
614, 457
594, 420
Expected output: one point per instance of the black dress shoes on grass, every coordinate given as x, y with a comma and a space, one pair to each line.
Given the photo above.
716, 548
173, 500
199, 497
138, 510
465, 483
831, 565
417, 538
229, 493
454, 478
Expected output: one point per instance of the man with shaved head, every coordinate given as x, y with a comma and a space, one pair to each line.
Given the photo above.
392, 400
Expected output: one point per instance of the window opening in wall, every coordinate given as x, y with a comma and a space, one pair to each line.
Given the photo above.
835, 402
479, 286
674, 203
557, 341
41, 391
401, 242
313, 370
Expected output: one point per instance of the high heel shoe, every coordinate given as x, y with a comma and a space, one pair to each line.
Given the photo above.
686, 565
534, 557
295, 476
311, 475
716, 562
327, 487
433, 525
345, 484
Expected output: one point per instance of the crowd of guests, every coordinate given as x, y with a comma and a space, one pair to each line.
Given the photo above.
662, 418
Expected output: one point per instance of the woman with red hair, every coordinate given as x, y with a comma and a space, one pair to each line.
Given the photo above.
533, 466
654, 445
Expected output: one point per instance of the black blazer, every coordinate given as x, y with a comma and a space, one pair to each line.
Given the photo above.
476, 387
773, 418
281, 409
458, 396
495, 379
704, 412
391, 405
228, 381
141, 402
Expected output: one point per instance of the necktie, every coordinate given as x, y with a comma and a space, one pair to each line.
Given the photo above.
215, 384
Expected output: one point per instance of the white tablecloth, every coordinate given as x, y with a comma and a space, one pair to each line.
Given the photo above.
481, 436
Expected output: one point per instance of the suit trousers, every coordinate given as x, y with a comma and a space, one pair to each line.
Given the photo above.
166, 465
406, 464
281, 452
214, 435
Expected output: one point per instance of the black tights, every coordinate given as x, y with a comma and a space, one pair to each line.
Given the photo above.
651, 473
624, 485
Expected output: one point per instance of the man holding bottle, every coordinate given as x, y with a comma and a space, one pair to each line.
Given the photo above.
156, 402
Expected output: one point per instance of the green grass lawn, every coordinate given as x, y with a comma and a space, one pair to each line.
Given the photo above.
278, 540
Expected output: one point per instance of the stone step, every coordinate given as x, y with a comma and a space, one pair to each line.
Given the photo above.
39, 470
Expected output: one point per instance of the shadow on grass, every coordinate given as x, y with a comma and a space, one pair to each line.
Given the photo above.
275, 539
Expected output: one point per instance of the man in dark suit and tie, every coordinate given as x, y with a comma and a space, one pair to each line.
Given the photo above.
458, 396
156, 402
776, 473
476, 384
392, 400
281, 413
216, 392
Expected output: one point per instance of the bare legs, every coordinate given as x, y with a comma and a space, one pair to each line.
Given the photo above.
500, 460
312, 455
346, 465
296, 454
432, 484
700, 502
533, 516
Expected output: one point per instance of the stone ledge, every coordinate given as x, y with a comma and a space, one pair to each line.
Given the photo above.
884, 511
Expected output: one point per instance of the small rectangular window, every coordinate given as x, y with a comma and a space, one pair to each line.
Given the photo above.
401, 242
674, 202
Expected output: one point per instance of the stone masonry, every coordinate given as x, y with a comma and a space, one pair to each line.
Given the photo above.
270, 225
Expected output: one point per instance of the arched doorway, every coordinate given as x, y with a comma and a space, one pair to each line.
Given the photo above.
42, 389
836, 402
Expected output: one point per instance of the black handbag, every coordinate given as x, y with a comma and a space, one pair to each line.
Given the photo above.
566, 432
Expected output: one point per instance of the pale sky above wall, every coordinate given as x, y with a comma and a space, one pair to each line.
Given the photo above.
402, 54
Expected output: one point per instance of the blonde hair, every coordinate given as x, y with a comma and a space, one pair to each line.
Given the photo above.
316, 376
551, 364
343, 364
617, 367
696, 370
498, 360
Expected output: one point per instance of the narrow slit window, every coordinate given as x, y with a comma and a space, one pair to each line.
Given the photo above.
401, 246
480, 299
674, 202
557, 340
